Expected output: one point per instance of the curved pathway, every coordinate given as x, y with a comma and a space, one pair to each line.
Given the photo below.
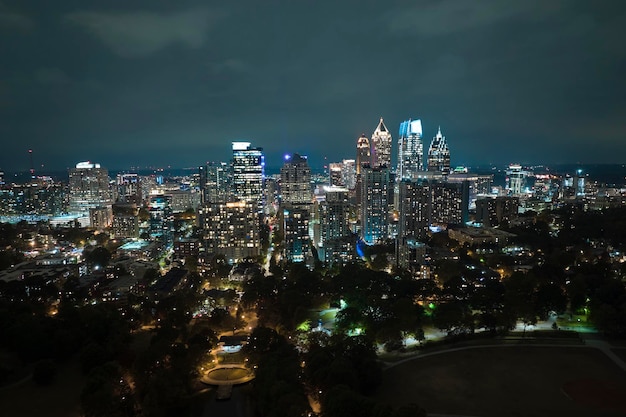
206, 379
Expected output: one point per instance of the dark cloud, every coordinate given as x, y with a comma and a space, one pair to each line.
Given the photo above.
153, 82
13, 20
137, 34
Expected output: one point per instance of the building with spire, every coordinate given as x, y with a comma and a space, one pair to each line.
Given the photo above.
410, 150
381, 146
439, 154
363, 155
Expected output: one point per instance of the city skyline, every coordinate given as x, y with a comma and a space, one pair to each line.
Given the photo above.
151, 84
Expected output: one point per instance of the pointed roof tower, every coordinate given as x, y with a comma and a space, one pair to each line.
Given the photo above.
381, 145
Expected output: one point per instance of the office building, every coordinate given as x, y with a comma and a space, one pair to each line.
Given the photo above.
439, 154
248, 168
128, 187
410, 150
381, 144
516, 179
363, 155
88, 187
335, 174
214, 182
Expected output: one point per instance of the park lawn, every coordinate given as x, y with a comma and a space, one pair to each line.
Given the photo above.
60, 399
509, 381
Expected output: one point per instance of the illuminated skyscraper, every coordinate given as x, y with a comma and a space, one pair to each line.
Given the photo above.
410, 149
363, 155
295, 180
128, 188
335, 177
439, 154
296, 233
337, 243
431, 203
381, 146
89, 187
515, 179
375, 183
248, 171
214, 182
231, 229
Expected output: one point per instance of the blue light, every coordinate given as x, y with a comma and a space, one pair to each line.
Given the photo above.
287, 157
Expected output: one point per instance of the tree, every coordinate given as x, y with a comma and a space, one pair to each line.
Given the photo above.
45, 372
99, 256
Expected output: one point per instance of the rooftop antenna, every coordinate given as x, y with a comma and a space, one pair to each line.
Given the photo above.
32, 167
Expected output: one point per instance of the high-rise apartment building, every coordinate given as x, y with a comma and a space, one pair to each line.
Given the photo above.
381, 144
337, 241
295, 180
494, 211
88, 187
410, 150
231, 229
439, 154
248, 167
375, 184
423, 204
363, 153
296, 233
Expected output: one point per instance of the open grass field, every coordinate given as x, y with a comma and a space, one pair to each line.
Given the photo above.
528, 381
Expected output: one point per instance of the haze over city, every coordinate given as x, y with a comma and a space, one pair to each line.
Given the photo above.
155, 83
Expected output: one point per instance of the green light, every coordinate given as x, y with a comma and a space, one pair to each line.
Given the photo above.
305, 326
431, 306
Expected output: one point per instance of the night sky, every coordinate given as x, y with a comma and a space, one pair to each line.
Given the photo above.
155, 82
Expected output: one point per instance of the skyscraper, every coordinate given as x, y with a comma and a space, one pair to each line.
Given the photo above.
363, 155
410, 149
89, 187
337, 243
515, 179
231, 229
439, 154
295, 180
375, 183
214, 182
248, 167
129, 188
381, 146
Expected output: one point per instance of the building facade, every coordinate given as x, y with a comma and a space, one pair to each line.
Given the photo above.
410, 150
